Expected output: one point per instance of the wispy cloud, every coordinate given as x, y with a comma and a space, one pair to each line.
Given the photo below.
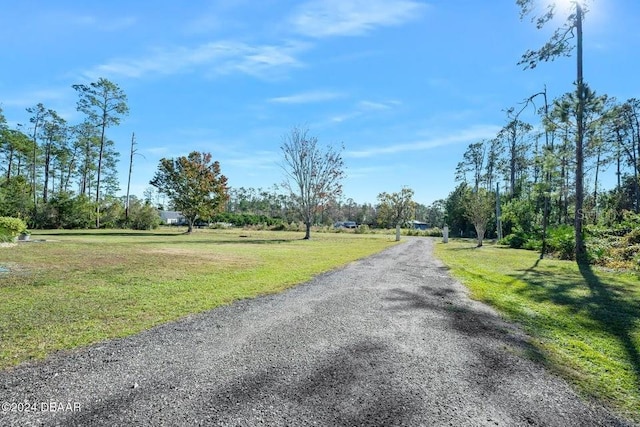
327, 18
307, 97
467, 135
372, 106
364, 109
222, 57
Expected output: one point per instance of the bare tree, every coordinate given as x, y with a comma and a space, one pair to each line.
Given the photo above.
313, 175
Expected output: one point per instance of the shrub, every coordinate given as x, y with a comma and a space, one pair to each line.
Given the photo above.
65, 211
561, 242
433, 232
516, 240
362, 229
144, 217
533, 244
633, 237
11, 228
297, 226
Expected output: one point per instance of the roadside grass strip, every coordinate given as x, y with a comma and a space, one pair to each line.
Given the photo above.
584, 322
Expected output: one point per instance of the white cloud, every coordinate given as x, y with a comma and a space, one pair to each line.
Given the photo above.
366, 109
307, 97
326, 18
472, 134
222, 57
370, 105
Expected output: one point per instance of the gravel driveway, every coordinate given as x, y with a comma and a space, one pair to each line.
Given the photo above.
388, 340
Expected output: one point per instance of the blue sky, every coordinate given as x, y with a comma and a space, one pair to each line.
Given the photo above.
405, 85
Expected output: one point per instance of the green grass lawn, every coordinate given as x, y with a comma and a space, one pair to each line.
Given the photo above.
584, 322
81, 287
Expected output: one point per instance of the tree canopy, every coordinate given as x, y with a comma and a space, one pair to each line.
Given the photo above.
193, 184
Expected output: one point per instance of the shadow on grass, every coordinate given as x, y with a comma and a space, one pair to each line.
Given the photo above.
466, 248
614, 311
142, 235
615, 314
109, 233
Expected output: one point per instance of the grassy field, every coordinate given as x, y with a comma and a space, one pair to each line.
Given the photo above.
584, 322
78, 288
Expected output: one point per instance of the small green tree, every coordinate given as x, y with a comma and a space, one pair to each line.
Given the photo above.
142, 215
479, 208
396, 208
193, 184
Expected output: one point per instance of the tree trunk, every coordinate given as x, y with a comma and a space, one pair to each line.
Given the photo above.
595, 189
132, 152
100, 154
512, 163
581, 250
307, 230
47, 164
480, 234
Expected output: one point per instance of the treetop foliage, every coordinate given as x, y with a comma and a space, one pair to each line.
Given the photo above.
194, 184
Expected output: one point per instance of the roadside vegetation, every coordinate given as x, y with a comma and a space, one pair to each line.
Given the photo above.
584, 321
81, 287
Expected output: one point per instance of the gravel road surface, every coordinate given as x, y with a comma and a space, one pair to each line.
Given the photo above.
388, 340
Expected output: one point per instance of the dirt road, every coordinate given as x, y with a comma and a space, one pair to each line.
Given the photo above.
388, 340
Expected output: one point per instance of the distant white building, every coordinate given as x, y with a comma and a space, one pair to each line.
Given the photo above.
172, 217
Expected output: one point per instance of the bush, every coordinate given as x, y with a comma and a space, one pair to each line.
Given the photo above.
362, 229
65, 211
279, 227
11, 228
144, 217
633, 237
516, 240
561, 241
433, 232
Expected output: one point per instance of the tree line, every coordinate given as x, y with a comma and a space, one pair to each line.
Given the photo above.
533, 182
54, 174
49, 163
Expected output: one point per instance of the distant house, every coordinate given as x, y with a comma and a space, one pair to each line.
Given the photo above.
419, 225
345, 224
172, 218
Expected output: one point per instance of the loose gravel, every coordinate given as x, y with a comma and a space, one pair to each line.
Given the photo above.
388, 340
